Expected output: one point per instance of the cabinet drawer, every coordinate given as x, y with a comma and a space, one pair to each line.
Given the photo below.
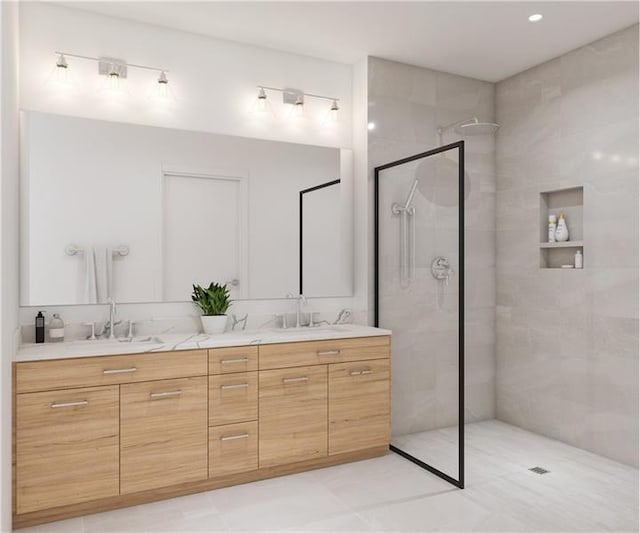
359, 405
229, 360
66, 447
233, 398
320, 352
233, 448
108, 370
293, 415
163, 433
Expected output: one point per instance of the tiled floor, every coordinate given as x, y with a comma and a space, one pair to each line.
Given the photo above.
582, 492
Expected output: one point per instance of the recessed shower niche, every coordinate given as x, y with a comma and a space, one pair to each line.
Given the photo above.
570, 203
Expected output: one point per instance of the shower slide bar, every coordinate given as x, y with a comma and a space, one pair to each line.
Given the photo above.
407, 214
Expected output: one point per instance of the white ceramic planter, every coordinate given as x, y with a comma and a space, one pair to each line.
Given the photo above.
215, 324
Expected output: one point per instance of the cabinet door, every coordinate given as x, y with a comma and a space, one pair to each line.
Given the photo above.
163, 433
359, 406
293, 415
66, 447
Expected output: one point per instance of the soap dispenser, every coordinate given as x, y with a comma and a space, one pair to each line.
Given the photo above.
56, 329
39, 328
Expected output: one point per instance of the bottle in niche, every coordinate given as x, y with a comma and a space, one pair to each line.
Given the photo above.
562, 232
56, 329
552, 228
577, 260
39, 328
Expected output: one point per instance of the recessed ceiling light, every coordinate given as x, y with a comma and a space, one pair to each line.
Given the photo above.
371, 126
536, 17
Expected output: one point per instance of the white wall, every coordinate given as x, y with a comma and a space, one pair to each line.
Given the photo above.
9, 158
214, 82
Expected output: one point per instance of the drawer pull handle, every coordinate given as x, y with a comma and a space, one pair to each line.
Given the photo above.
57, 405
120, 370
235, 386
295, 380
360, 372
234, 361
167, 394
235, 437
330, 352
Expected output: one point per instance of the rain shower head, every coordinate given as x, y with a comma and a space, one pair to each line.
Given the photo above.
475, 127
470, 126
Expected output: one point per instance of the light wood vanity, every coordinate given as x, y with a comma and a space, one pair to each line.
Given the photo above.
102, 432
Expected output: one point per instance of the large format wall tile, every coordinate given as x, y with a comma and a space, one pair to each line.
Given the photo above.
567, 341
407, 104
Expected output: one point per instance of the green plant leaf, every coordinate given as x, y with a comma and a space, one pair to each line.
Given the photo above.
214, 300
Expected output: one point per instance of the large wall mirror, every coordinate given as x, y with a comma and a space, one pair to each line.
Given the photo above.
141, 213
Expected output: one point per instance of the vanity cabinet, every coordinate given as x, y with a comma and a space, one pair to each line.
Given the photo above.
163, 433
293, 415
359, 405
98, 433
66, 447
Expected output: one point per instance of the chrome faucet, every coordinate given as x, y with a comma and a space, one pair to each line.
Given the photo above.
300, 301
112, 316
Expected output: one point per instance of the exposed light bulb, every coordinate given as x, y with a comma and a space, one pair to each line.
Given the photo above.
333, 111
113, 81
262, 106
536, 17
62, 69
298, 107
162, 91
371, 126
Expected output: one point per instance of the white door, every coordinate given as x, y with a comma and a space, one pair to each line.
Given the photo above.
203, 234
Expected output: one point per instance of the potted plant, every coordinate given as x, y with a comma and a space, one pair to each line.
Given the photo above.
214, 302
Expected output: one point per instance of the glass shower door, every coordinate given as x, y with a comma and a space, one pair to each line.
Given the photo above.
419, 295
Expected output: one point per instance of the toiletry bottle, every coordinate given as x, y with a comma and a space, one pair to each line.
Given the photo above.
577, 260
56, 329
39, 328
552, 228
562, 232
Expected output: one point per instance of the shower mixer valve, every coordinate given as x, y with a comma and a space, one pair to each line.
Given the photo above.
441, 269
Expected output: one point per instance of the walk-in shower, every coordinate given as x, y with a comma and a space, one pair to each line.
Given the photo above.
419, 295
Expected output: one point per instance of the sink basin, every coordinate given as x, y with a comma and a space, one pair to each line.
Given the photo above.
306, 331
115, 342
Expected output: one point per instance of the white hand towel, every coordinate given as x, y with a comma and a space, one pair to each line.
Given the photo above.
90, 290
104, 275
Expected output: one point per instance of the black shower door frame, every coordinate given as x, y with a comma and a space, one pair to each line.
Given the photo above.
459, 145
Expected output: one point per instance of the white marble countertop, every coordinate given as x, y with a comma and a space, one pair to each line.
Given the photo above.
189, 341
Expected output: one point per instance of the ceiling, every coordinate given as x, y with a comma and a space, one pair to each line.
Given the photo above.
485, 40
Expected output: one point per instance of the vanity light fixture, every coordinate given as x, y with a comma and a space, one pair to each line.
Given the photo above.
114, 70
295, 98
536, 17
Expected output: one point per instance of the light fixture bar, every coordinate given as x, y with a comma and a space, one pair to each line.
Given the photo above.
106, 59
311, 95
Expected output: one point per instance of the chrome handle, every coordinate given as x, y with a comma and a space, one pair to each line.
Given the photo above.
56, 405
235, 437
295, 380
330, 352
167, 394
120, 370
234, 361
360, 372
235, 386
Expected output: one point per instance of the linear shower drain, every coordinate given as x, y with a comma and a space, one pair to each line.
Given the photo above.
539, 470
